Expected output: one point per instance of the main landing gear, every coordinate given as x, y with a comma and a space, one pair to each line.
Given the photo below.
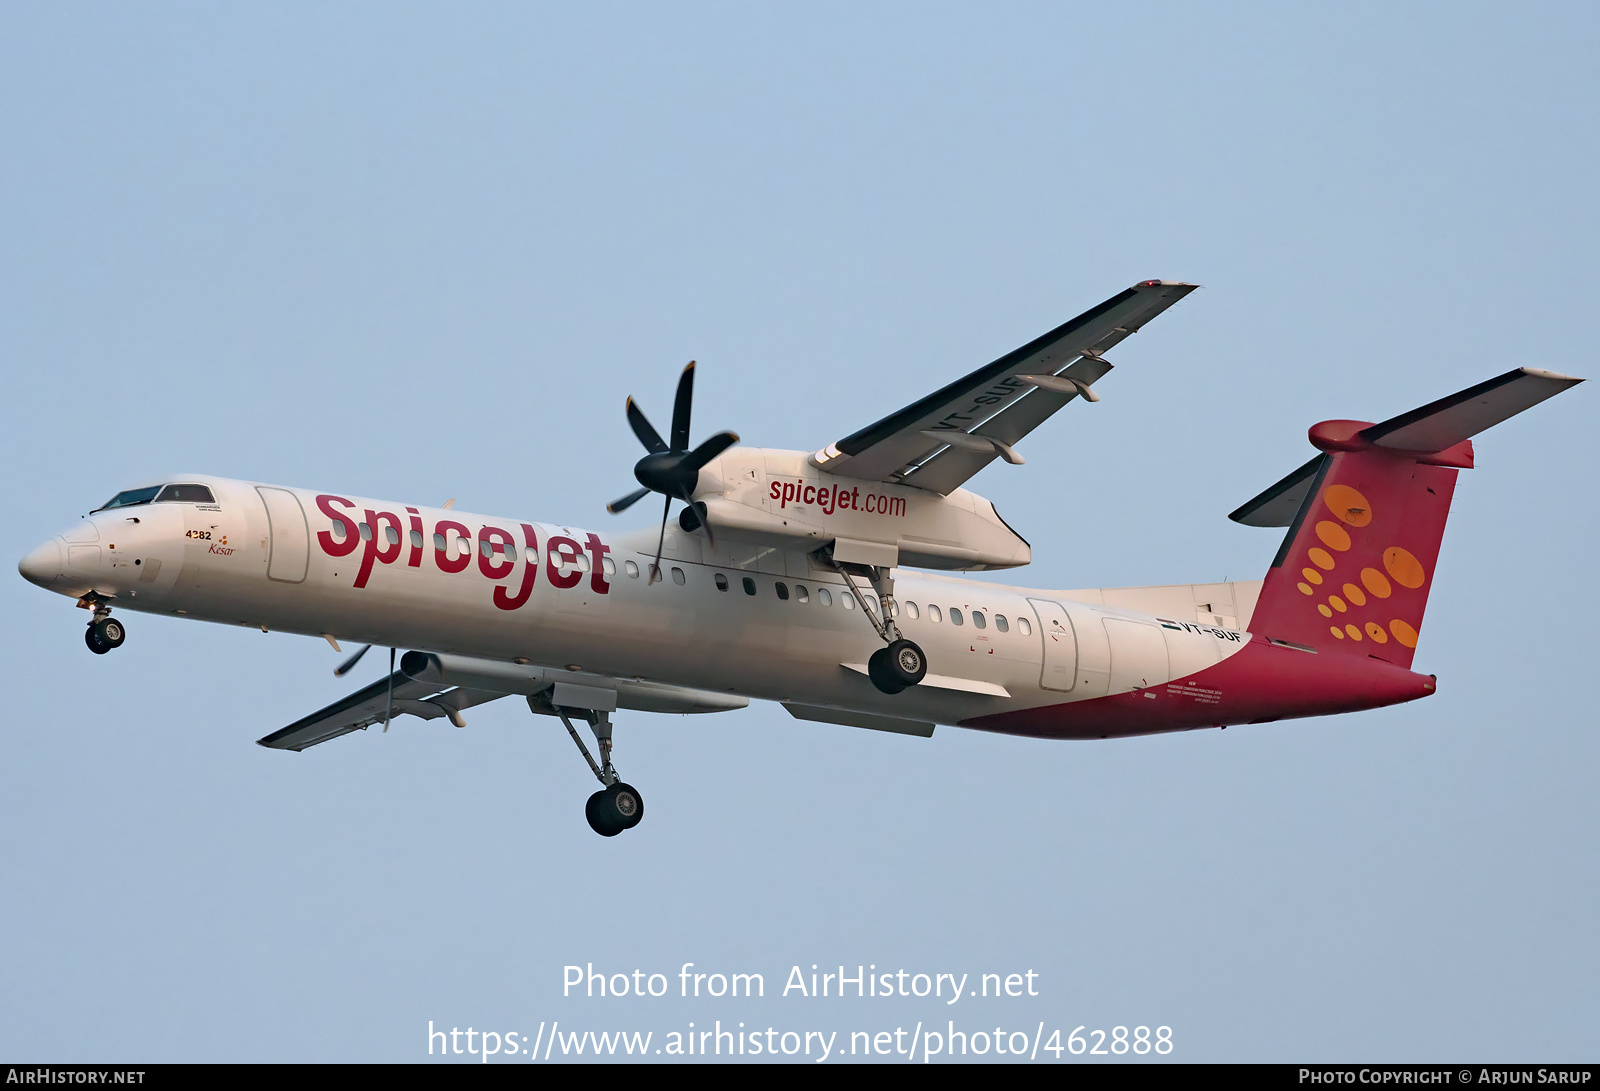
901, 664
616, 806
105, 632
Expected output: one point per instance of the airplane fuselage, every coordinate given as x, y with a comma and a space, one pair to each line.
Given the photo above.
756, 621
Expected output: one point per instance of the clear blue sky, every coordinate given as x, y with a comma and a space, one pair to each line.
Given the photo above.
425, 251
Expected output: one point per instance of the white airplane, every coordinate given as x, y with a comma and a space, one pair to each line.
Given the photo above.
794, 577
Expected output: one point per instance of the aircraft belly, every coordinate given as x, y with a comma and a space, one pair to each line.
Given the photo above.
1258, 682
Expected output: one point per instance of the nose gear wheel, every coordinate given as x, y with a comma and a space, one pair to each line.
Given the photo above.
104, 634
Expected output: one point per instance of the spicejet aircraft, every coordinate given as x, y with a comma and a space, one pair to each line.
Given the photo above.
801, 578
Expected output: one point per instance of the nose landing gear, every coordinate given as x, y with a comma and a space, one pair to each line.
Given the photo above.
105, 632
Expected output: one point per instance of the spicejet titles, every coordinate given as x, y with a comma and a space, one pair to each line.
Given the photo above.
835, 497
381, 538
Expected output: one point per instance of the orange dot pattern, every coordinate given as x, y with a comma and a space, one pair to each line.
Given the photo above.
1348, 504
1400, 567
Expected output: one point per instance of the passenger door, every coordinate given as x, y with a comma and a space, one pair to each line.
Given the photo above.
1060, 670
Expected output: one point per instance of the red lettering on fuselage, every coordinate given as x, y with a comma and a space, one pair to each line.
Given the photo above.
490, 557
441, 552
384, 538
597, 560
415, 560
388, 551
560, 553
343, 546
530, 572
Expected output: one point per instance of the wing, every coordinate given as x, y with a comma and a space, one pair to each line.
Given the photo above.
994, 407
443, 685
364, 708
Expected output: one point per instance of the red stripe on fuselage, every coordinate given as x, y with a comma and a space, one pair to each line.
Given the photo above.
1261, 682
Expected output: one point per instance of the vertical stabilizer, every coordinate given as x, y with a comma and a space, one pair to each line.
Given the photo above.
1357, 564
1354, 571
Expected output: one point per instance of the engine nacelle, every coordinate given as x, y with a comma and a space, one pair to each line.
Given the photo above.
783, 499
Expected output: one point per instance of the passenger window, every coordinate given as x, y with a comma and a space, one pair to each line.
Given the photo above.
583, 563
955, 616
511, 552
824, 596
721, 581
1000, 623
191, 494
911, 610
847, 600
485, 547
416, 539
631, 569
438, 539
782, 589
678, 577
933, 613
366, 533
1023, 627
608, 566
749, 586
800, 593
978, 620
392, 533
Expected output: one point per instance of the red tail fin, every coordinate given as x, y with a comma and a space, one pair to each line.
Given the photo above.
1356, 566
1354, 571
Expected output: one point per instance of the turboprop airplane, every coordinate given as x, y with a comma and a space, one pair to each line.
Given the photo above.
814, 580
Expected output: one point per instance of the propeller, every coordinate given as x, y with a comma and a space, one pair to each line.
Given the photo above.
671, 470
349, 664
388, 701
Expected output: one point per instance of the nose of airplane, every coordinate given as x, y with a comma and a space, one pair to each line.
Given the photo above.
43, 565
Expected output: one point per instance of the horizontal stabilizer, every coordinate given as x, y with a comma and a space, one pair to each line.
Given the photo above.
1438, 428
1276, 507
1440, 425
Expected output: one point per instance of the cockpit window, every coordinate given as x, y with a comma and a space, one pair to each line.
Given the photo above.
193, 494
131, 497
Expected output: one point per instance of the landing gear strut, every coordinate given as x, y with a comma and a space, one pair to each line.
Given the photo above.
105, 632
901, 664
616, 806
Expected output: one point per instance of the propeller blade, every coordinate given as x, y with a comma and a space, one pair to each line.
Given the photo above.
617, 507
710, 449
388, 702
344, 668
680, 409
655, 569
641, 428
